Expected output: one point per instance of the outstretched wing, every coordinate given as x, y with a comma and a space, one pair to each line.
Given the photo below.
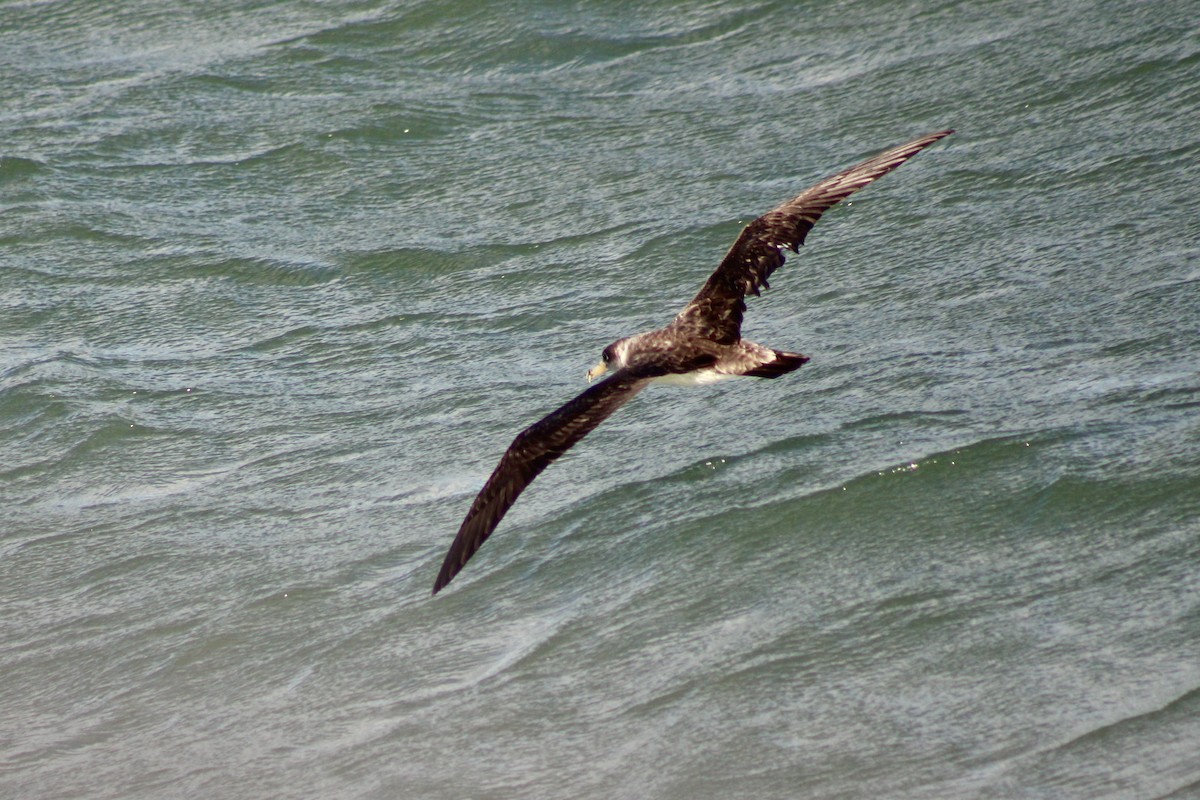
531, 452
716, 312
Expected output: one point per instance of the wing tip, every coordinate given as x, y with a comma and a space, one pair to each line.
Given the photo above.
447, 573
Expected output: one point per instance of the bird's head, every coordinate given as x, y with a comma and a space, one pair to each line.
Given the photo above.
613, 357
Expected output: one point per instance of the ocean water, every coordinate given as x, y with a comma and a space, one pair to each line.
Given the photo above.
279, 281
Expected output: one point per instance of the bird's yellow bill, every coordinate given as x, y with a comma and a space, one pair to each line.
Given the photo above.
597, 371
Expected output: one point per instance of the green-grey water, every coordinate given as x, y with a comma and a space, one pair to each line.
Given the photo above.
279, 281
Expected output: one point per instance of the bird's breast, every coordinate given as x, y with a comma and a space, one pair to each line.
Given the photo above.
701, 377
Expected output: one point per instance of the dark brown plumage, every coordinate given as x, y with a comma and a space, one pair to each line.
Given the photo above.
701, 345
716, 311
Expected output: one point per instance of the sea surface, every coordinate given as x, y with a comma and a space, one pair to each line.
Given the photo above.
280, 281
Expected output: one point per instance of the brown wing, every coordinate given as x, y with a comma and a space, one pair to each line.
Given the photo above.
531, 452
716, 312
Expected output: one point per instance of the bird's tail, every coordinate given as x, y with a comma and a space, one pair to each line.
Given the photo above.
781, 364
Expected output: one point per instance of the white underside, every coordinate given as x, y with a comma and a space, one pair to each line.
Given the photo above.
701, 377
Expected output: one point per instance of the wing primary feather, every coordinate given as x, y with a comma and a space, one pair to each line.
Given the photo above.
534, 449
716, 311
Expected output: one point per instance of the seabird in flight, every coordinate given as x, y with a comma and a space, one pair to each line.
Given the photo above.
703, 344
